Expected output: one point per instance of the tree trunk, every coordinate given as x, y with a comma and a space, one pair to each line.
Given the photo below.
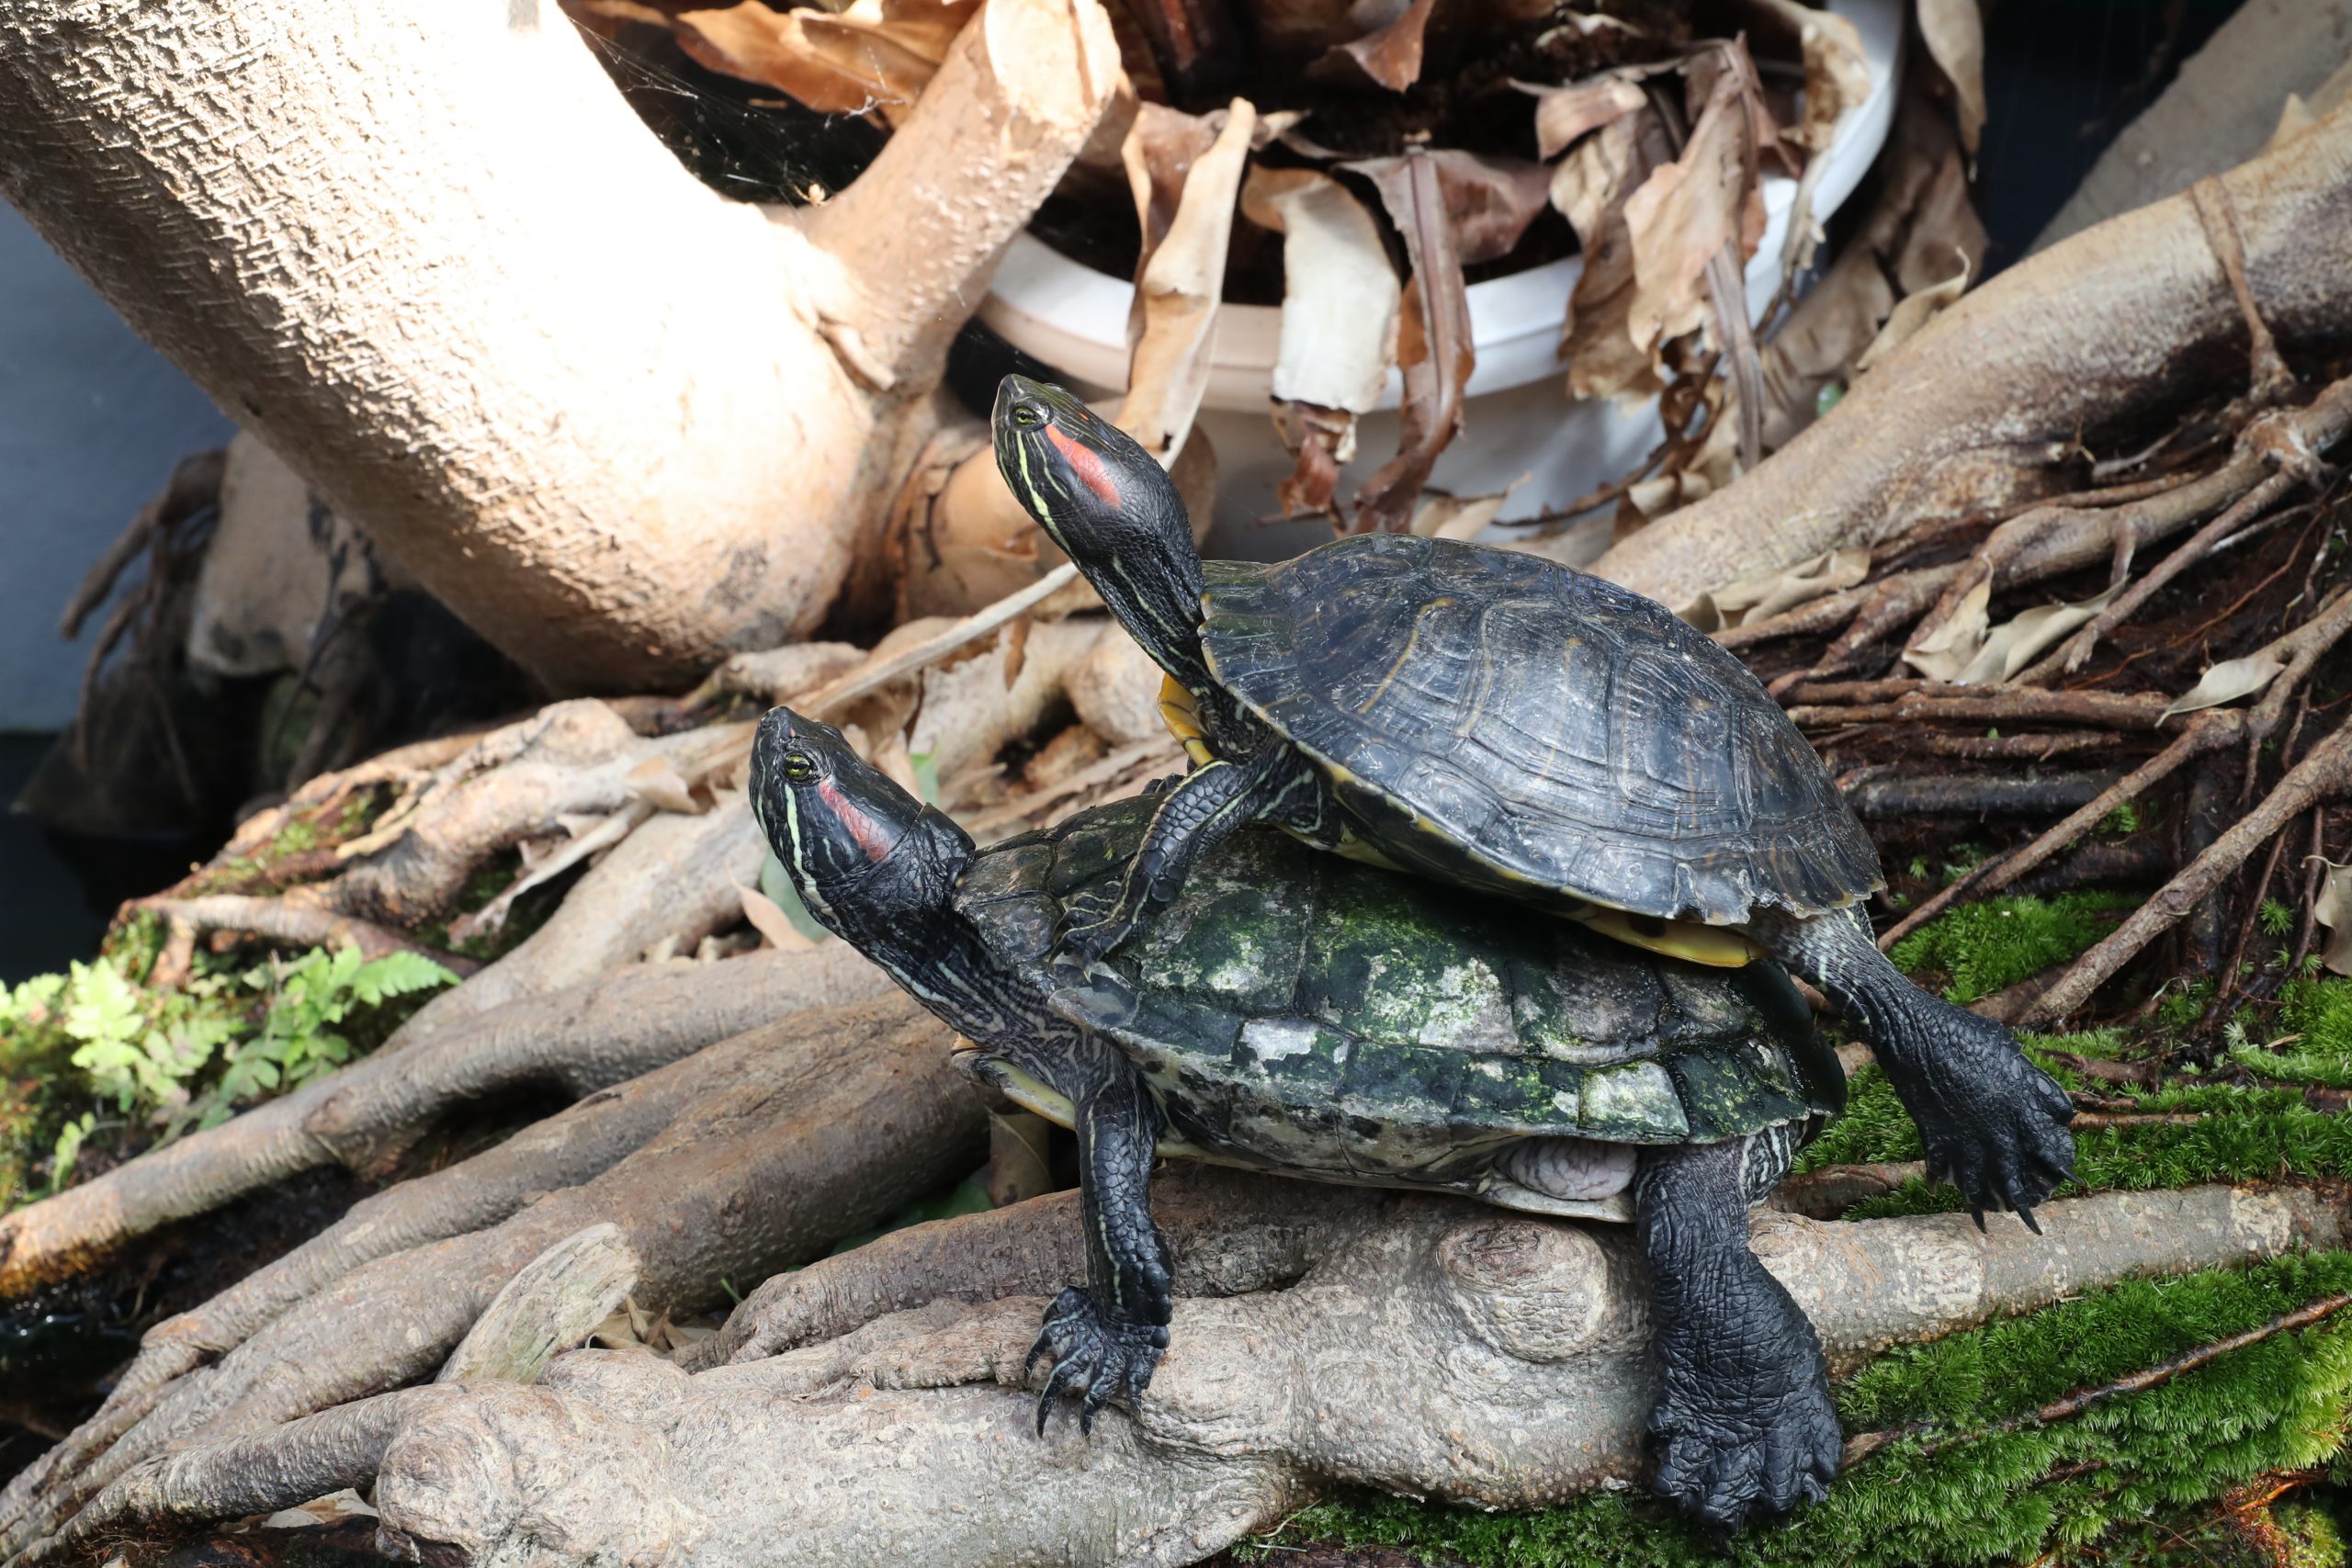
620, 426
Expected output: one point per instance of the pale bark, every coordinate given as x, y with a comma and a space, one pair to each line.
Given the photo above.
1982, 409
1430, 1346
620, 426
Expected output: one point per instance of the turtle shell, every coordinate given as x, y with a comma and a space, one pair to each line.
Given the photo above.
1298, 1012
1496, 718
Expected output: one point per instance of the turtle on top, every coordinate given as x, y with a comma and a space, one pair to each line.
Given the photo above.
1294, 1013
1496, 720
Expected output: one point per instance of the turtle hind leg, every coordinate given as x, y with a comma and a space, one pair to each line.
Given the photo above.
1104, 1338
1994, 1125
1743, 1428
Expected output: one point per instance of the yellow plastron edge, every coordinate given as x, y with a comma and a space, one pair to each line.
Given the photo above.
1718, 947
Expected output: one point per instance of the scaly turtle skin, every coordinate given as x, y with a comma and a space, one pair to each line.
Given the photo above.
1295, 1013
1496, 721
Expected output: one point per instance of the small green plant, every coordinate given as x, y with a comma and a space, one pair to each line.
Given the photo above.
158, 1062
2124, 818
2276, 918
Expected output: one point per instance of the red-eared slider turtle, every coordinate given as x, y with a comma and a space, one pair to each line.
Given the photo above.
1299, 1014
1496, 720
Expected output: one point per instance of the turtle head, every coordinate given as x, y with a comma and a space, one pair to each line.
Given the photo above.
1113, 510
870, 860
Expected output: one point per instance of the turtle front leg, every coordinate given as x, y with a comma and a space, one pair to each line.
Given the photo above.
1994, 1125
1743, 1427
1203, 810
1105, 1337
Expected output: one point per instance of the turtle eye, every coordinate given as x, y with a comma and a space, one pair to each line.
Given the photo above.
1029, 416
798, 768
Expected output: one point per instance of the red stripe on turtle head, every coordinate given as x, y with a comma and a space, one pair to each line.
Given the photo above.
1086, 464
870, 838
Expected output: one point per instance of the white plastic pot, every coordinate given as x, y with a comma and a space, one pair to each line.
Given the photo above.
1518, 421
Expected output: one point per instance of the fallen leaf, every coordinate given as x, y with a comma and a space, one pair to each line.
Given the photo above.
1390, 55
1837, 71
1179, 289
657, 782
1489, 201
1954, 33
772, 922
1341, 297
856, 63
2011, 646
1589, 188
1320, 441
1687, 211
1441, 516
1161, 146
1913, 312
1566, 115
2333, 909
1434, 346
2227, 681
2295, 117
1761, 594
1947, 652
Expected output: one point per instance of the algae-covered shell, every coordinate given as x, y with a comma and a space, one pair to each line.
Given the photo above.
1296, 1011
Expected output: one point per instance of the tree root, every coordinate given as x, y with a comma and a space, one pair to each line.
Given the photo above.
588, 1037
1435, 1347
750, 1155
1971, 415
2324, 775
293, 921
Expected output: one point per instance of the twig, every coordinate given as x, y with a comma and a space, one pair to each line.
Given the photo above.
874, 674
1023, 808
2206, 732
2314, 861
2324, 775
2271, 380
1862, 1445
2092, 1120
2106, 708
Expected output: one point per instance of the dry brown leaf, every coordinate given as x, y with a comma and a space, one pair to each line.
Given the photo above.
1690, 211
1390, 55
1567, 114
2015, 643
834, 64
1836, 72
2332, 910
1321, 441
2227, 681
1590, 186
772, 922
1953, 646
1912, 312
1954, 33
1177, 293
1160, 150
1434, 346
1759, 596
1341, 297
657, 782
1441, 516
1489, 201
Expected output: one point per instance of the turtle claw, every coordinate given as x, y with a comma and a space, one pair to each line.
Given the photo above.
1994, 1125
1092, 925
1093, 1355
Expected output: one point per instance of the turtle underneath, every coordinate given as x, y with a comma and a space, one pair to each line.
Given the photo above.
1495, 720
1298, 1014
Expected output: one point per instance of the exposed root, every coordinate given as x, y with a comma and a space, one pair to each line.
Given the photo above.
760, 1151
2324, 775
295, 921
1494, 1358
579, 1040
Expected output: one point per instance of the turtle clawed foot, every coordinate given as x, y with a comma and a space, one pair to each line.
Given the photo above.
1093, 1356
1994, 1125
1728, 1464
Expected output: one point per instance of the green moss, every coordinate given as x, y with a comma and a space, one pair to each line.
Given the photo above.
2124, 818
2272, 1406
1982, 948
